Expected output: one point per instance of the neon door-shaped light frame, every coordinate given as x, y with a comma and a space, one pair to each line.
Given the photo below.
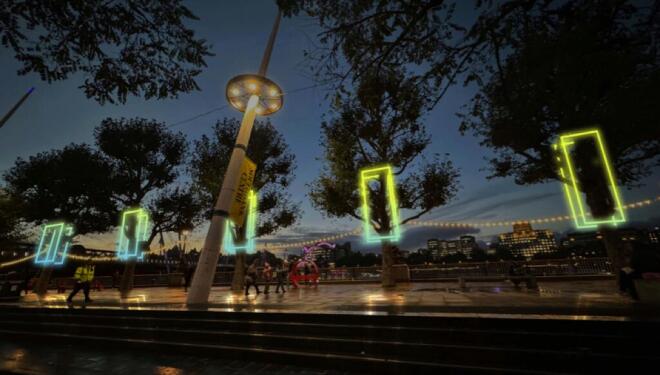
54, 244
375, 173
126, 250
581, 218
249, 247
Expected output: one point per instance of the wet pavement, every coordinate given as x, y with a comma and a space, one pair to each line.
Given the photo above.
566, 299
73, 360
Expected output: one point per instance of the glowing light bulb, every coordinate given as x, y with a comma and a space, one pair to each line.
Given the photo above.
274, 106
273, 91
235, 91
252, 86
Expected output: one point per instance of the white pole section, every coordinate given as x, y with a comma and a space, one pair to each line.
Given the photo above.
202, 281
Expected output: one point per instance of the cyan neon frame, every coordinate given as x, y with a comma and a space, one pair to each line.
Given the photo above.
249, 246
54, 250
581, 218
125, 250
375, 173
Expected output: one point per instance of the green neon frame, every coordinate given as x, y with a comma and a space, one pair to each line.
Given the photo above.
249, 247
50, 254
373, 173
581, 218
124, 249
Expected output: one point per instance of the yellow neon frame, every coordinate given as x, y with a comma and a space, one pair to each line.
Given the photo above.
123, 250
249, 247
571, 188
372, 173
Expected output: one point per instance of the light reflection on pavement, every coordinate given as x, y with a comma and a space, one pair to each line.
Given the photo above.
570, 299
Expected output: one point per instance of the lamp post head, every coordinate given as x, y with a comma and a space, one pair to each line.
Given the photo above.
242, 87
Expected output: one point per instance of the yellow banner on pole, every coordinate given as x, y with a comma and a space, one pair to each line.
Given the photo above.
239, 203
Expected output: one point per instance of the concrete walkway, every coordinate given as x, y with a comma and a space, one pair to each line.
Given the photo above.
567, 299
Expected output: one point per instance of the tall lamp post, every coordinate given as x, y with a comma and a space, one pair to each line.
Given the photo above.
252, 94
13, 109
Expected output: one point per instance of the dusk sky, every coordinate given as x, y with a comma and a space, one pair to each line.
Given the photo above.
59, 113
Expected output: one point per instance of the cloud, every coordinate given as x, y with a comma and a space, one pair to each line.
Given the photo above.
492, 210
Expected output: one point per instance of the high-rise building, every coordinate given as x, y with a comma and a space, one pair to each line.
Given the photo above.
464, 245
433, 245
525, 242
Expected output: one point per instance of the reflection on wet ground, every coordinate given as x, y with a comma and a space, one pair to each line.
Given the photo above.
74, 360
570, 298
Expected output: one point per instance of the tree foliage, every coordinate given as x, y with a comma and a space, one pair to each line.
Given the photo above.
68, 184
568, 66
380, 123
145, 156
136, 163
122, 48
275, 167
429, 38
10, 219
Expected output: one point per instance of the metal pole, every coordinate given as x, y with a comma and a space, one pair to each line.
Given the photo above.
269, 47
203, 279
16, 106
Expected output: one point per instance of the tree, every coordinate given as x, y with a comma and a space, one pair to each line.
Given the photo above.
10, 221
436, 47
571, 66
140, 48
275, 166
136, 162
380, 123
68, 184
145, 158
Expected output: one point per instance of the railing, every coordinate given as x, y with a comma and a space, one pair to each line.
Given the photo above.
552, 267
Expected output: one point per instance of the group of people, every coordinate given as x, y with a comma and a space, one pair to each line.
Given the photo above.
280, 274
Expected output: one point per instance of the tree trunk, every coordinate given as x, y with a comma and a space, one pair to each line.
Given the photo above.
612, 244
388, 278
41, 288
127, 278
238, 280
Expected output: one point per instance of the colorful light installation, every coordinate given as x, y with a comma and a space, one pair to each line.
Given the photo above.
228, 242
385, 174
133, 231
54, 244
582, 218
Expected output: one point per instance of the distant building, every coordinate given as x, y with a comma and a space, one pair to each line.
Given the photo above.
464, 245
434, 247
525, 242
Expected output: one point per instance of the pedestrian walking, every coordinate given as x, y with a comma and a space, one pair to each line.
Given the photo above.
84, 276
268, 276
251, 277
281, 273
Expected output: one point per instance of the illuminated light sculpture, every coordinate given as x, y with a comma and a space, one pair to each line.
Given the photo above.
581, 218
228, 242
54, 244
132, 233
376, 173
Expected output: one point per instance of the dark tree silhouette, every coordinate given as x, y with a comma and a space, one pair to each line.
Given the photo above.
11, 228
68, 184
380, 123
137, 163
569, 66
141, 48
275, 166
437, 47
